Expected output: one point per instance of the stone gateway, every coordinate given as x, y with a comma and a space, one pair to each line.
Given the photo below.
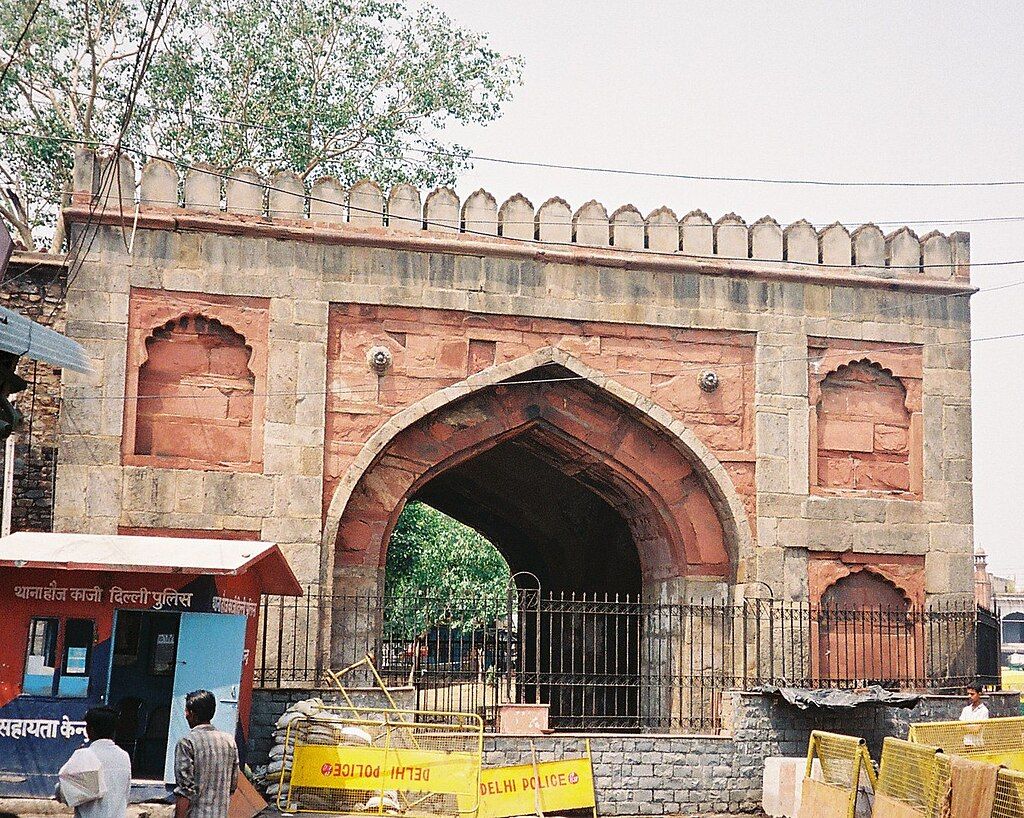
659, 406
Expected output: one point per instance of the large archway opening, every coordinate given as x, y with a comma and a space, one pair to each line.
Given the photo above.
575, 487
524, 497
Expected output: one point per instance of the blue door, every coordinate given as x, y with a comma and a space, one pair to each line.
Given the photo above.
210, 653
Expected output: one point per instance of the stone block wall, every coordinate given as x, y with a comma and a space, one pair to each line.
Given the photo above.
268, 705
687, 775
464, 294
34, 287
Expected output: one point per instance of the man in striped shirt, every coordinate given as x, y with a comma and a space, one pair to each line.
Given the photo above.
205, 762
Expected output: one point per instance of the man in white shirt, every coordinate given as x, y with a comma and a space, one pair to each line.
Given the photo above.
114, 764
975, 710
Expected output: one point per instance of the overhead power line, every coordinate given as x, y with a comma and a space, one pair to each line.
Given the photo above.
698, 177
649, 253
18, 42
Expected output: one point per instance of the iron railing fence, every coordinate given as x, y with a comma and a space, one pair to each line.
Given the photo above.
606, 662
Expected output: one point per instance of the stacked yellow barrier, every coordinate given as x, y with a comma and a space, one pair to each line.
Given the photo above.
1009, 800
913, 780
999, 741
415, 763
843, 761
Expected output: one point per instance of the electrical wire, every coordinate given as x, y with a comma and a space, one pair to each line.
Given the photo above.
18, 42
1003, 219
144, 54
247, 124
539, 242
859, 354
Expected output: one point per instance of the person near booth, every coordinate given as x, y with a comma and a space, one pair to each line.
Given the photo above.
975, 710
97, 779
205, 762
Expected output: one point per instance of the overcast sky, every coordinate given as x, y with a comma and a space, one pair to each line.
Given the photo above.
876, 90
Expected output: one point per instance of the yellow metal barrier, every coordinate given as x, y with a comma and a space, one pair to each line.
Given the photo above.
539, 788
912, 775
843, 761
1000, 741
1009, 800
417, 763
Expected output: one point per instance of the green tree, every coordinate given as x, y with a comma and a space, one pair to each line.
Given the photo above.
351, 88
440, 571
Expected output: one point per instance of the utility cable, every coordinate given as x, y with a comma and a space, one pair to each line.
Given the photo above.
702, 177
18, 42
1004, 219
858, 354
540, 242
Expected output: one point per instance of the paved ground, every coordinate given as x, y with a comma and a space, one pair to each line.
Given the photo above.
48, 808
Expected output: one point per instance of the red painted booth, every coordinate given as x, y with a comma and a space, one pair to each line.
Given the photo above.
131, 622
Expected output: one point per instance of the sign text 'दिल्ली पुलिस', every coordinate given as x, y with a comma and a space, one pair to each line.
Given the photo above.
141, 596
117, 595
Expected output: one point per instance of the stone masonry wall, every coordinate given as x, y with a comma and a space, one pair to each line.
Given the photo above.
707, 775
33, 287
690, 775
269, 704
483, 265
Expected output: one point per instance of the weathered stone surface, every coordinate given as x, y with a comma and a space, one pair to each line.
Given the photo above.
811, 458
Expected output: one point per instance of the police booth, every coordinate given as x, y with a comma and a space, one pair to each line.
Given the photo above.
131, 622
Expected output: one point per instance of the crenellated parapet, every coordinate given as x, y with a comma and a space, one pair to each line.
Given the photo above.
285, 198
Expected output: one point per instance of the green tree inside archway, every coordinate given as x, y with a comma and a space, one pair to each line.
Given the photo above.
441, 572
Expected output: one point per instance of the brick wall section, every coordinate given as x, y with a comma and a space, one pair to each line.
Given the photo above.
198, 363
866, 418
197, 372
689, 775
34, 290
863, 430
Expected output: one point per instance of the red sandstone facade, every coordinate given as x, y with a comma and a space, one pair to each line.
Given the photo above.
835, 442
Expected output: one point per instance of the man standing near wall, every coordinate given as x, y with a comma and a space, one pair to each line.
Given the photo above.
974, 710
205, 762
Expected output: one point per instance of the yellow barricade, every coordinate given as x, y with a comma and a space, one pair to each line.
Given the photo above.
1000, 741
913, 780
416, 763
1009, 800
844, 760
544, 787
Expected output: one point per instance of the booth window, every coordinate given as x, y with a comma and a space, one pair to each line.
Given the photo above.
74, 672
43, 676
129, 632
40, 661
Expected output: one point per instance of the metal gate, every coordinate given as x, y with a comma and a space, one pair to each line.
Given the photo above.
607, 662
989, 646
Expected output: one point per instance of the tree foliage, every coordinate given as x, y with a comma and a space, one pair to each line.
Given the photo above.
351, 88
440, 572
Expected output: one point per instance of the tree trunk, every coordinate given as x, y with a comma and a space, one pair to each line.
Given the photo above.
24, 234
57, 244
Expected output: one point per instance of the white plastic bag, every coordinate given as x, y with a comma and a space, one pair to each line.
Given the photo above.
81, 778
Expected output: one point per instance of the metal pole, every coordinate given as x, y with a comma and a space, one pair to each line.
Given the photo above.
5, 527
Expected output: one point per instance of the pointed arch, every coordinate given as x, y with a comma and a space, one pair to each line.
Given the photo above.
706, 468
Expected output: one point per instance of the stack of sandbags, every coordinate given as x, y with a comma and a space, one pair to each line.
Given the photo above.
309, 722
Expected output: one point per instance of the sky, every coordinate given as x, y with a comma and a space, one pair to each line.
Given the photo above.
880, 90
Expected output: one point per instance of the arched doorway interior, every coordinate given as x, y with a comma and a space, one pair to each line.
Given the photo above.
574, 486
